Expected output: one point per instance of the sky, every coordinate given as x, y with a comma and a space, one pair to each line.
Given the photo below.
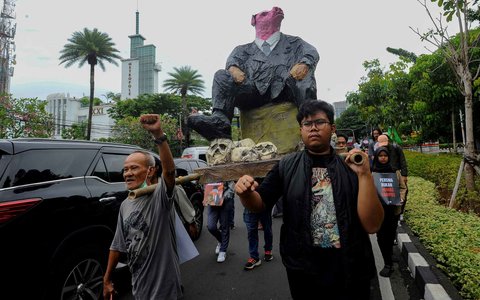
202, 34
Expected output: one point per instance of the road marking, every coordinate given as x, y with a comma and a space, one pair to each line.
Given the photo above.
384, 282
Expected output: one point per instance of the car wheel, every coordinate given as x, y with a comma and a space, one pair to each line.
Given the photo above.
198, 206
80, 276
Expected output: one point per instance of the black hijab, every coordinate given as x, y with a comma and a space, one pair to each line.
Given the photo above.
381, 167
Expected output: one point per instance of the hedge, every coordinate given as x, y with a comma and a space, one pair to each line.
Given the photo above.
451, 237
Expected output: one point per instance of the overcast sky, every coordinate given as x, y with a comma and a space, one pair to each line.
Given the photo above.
202, 34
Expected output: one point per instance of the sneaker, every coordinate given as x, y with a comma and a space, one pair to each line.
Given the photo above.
386, 271
217, 249
221, 256
268, 256
252, 263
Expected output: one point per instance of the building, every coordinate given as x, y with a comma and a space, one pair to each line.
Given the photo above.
339, 108
140, 71
68, 110
7, 44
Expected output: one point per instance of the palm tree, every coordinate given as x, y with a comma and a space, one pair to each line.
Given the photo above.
182, 81
93, 47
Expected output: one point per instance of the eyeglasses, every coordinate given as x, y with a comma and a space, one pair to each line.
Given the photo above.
319, 124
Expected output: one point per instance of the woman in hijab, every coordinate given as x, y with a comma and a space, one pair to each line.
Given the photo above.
388, 230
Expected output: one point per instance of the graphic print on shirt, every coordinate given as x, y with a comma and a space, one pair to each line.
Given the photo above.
135, 230
323, 219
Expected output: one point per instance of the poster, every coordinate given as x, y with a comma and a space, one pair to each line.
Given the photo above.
388, 188
213, 195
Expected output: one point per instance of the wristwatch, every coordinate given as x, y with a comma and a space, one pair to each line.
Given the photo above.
161, 139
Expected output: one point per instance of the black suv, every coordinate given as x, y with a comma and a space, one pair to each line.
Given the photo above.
59, 203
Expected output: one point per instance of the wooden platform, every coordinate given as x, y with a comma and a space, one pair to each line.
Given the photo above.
233, 171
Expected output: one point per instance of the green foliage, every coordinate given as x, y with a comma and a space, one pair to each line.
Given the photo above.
440, 169
25, 117
184, 80
168, 104
77, 131
451, 237
409, 56
383, 95
351, 119
89, 46
85, 101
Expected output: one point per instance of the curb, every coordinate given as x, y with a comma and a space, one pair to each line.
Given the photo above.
425, 274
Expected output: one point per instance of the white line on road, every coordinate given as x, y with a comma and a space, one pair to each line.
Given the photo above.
384, 282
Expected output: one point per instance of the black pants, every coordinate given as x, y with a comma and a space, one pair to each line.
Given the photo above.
387, 232
308, 286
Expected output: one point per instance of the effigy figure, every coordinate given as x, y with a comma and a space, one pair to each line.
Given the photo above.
274, 68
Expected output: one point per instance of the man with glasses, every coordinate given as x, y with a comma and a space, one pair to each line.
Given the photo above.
330, 207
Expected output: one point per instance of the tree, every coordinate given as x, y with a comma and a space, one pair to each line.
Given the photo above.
410, 56
169, 104
77, 131
351, 119
459, 58
25, 117
85, 101
182, 81
115, 97
92, 47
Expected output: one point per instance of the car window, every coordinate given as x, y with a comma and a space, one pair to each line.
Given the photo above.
101, 171
114, 165
42, 165
183, 165
202, 157
202, 164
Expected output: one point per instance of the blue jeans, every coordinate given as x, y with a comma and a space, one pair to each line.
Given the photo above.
251, 221
220, 214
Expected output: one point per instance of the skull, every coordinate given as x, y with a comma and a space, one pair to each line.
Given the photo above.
219, 152
245, 143
267, 150
241, 154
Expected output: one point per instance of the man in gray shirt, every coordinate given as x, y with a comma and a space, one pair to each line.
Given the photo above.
146, 225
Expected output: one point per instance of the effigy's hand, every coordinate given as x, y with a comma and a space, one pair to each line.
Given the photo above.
237, 74
299, 71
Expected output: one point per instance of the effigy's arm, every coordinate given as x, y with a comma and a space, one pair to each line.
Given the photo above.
310, 55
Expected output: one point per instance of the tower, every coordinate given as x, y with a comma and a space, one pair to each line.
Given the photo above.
7, 45
140, 71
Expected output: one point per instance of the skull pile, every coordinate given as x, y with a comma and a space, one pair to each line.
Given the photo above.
219, 152
222, 151
266, 150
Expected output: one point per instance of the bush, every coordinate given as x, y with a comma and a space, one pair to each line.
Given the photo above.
451, 237
442, 170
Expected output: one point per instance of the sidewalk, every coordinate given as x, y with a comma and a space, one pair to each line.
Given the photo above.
432, 283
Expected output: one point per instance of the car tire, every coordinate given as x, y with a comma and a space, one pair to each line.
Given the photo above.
198, 206
79, 275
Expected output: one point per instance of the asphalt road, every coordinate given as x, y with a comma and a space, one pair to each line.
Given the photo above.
204, 278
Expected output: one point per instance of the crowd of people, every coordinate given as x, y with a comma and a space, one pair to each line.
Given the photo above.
329, 206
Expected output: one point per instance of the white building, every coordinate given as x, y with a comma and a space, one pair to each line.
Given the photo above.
140, 71
68, 110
